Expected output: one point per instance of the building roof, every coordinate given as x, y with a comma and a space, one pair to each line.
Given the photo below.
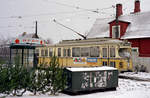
139, 26
100, 28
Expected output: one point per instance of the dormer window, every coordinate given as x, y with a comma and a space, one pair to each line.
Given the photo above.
116, 34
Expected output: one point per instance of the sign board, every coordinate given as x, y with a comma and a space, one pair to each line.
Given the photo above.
28, 41
92, 60
78, 60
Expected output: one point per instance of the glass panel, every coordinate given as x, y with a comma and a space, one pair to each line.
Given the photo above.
16, 55
59, 52
104, 52
94, 52
68, 51
30, 58
76, 52
64, 52
46, 52
124, 52
85, 52
50, 52
112, 52
37, 52
25, 57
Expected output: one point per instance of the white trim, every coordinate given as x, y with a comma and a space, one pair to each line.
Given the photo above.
113, 31
135, 48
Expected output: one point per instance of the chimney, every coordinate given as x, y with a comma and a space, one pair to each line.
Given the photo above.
118, 10
137, 6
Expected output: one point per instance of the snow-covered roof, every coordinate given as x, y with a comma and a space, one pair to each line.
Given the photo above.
100, 28
139, 26
78, 69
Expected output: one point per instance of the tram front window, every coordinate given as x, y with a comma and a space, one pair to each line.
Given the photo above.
124, 52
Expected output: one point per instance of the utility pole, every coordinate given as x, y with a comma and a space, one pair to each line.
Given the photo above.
36, 35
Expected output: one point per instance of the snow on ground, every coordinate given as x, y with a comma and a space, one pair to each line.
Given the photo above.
140, 75
126, 89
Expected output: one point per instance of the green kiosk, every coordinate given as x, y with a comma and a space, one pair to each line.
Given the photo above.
23, 49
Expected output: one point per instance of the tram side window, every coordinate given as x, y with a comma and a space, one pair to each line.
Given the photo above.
112, 52
59, 52
50, 52
64, 52
85, 52
94, 52
76, 52
68, 52
104, 52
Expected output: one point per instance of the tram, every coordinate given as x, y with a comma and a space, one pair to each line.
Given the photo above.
89, 52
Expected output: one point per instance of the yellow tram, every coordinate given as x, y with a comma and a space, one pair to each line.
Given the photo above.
88, 53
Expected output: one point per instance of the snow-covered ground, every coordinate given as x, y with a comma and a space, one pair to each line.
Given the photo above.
140, 75
126, 89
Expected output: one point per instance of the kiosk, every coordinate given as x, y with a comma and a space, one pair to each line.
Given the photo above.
22, 49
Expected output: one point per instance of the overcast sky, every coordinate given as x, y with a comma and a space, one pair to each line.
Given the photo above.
18, 16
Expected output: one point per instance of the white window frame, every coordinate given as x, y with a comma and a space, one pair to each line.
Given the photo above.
136, 48
113, 31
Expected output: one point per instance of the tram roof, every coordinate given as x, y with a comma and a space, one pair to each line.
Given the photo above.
90, 41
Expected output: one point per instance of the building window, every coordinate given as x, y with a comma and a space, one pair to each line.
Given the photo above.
112, 64
59, 52
104, 63
50, 52
104, 52
94, 52
135, 50
112, 52
76, 52
115, 34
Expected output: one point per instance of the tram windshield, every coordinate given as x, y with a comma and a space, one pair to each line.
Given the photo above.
124, 52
